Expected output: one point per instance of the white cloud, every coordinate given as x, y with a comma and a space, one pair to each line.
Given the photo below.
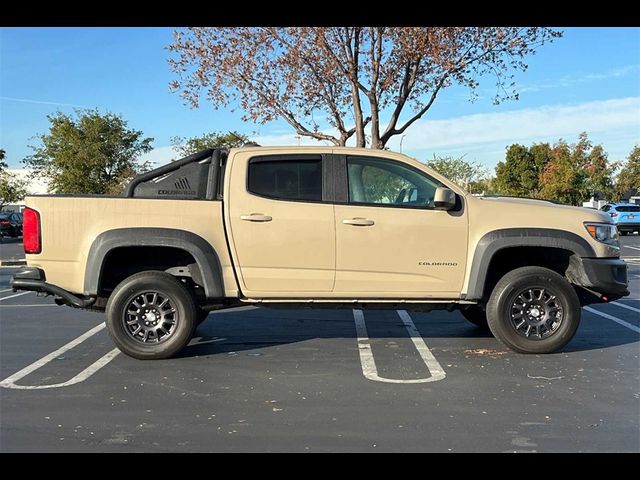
160, 156
555, 121
40, 102
570, 80
35, 186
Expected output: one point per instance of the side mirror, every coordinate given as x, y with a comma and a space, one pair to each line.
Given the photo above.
444, 198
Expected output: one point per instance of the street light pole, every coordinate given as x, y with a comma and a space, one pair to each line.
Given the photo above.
401, 139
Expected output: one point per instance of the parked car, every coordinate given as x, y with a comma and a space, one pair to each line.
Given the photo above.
10, 224
309, 227
625, 216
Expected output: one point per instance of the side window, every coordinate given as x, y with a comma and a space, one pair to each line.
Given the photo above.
286, 179
385, 182
606, 208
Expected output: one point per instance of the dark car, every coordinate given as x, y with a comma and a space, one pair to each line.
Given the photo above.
10, 224
626, 216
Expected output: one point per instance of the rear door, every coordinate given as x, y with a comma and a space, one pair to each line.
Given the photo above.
281, 226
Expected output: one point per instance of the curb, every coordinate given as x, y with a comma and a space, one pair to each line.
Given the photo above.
13, 263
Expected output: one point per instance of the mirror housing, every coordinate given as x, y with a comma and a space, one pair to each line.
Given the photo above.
444, 198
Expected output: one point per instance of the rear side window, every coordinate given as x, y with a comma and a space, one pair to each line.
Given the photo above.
286, 179
628, 208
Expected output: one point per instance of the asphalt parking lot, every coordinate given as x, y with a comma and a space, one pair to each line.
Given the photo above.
255, 379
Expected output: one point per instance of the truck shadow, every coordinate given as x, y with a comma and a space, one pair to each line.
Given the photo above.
232, 332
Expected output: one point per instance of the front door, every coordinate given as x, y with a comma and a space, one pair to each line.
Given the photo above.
390, 240
280, 226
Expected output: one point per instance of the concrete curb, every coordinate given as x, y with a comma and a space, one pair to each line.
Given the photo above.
13, 263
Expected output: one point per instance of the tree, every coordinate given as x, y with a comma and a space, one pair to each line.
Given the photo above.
88, 154
465, 173
562, 172
629, 176
519, 174
12, 188
562, 176
346, 74
187, 146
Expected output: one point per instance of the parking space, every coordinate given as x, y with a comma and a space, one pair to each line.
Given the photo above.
256, 379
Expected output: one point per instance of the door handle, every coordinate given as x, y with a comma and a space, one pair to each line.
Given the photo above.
359, 222
256, 217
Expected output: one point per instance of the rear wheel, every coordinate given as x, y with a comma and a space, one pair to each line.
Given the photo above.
151, 315
476, 315
533, 310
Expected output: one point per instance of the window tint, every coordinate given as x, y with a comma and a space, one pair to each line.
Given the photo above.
287, 179
385, 182
606, 208
628, 208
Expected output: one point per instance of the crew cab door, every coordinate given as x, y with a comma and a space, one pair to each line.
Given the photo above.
390, 241
281, 230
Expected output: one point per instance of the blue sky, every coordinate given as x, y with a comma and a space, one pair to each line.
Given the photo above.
588, 80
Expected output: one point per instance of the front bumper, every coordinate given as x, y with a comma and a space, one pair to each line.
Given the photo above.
604, 276
33, 279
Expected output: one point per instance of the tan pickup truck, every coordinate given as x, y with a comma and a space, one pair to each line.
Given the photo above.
316, 227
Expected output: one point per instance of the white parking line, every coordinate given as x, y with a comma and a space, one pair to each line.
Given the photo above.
633, 309
615, 319
6, 290
9, 382
14, 296
629, 246
34, 305
369, 369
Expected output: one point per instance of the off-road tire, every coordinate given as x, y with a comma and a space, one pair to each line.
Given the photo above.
120, 310
505, 300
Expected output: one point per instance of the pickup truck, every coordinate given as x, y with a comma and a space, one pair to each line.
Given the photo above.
316, 227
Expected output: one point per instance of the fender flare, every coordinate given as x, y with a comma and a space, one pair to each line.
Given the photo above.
201, 250
496, 240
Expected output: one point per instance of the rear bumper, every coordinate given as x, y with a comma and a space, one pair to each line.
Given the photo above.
604, 276
33, 279
628, 227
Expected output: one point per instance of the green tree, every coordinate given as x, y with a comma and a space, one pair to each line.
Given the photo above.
12, 188
383, 79
187, 146
562, 172
90, 153
484, 186
629, 176
467, 174
519, 174
576, 172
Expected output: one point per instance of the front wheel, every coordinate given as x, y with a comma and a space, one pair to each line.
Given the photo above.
533, 310
151, 315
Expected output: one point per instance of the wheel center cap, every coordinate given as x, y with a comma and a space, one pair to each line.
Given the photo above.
151, 316
535, 312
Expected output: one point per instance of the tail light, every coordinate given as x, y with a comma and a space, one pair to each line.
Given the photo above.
31, 231
614, 214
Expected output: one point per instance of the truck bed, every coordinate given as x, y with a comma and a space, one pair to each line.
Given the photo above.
70, 224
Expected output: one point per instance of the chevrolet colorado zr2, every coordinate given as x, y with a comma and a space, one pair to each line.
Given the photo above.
316, 227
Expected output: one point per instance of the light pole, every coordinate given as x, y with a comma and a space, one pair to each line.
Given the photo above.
401, 139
